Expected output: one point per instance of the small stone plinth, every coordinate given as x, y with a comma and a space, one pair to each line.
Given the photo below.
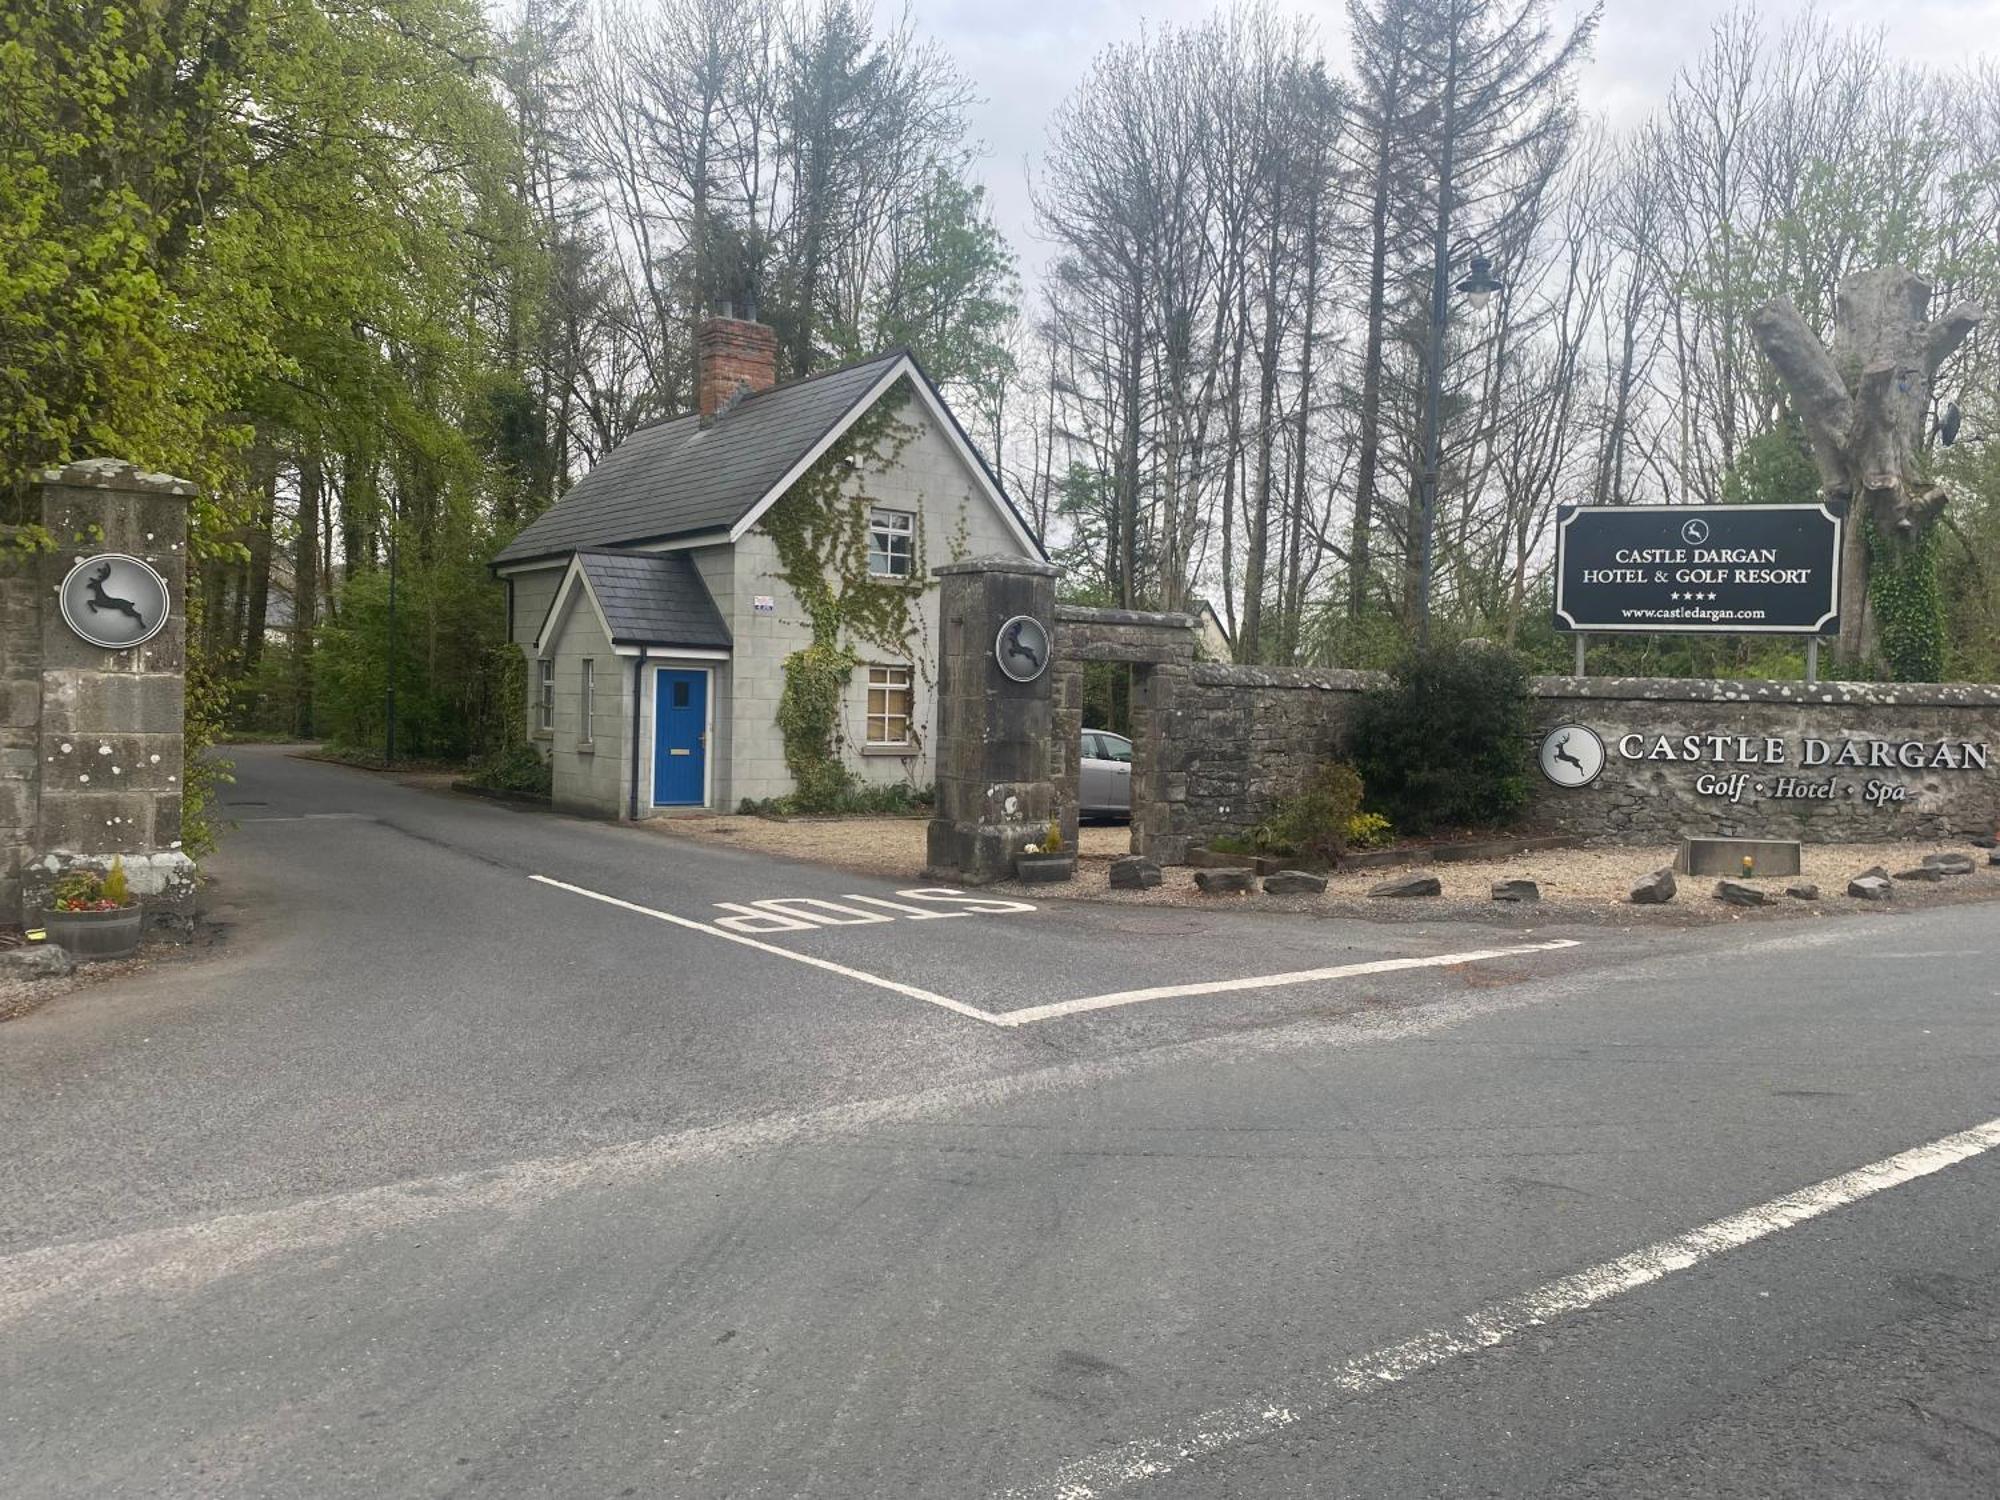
1225, 882
1870, 888
1802, 890
1516, 890
1704, 856
1044, 869
1294, 883
1134, 874
1408, 885
1950, 864
1740, 893
1657, 889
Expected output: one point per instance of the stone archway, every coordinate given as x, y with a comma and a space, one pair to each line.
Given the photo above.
1008, 752
1161, 650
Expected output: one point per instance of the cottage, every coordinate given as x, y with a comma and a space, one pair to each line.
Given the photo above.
658, 601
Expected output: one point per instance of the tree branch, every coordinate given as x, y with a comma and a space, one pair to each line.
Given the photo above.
1808, 372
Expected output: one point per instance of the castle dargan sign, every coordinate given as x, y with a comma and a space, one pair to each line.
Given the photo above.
1698, 569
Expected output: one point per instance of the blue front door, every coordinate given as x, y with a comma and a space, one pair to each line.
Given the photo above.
680, 741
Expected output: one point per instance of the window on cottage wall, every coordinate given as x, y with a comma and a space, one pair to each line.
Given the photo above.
889, 705
589, 711
545, 695
892, 537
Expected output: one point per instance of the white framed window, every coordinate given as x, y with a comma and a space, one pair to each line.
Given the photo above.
889, 705
892, 542
588, 711
545, 695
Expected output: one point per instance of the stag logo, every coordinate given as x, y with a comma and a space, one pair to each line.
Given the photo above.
114, 601
1022, 648
1572, 756
99, 600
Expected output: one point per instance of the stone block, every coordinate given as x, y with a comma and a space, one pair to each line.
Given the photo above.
1740, 893
1802, 890
35, 961
1134, 873
1408, 885
1870, 888
1657, 889
99, 822
1294, 883
1516, 890
1224, 882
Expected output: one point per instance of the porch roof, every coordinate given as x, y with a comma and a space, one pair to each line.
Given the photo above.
653, 599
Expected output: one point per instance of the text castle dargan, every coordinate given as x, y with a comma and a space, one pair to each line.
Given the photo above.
1751, 565
1764, 750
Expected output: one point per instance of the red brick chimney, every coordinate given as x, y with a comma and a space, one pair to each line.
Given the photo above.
732, 353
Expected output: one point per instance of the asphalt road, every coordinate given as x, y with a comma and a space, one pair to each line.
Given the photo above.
435, 1179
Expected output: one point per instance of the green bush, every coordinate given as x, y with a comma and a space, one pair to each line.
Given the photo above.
1314, 823
1446, 743
513, 768
857, 799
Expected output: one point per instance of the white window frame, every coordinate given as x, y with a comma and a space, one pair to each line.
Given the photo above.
885, 684
888, 527
587, 701
545, 695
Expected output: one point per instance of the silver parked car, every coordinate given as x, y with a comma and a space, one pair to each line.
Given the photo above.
1104, 784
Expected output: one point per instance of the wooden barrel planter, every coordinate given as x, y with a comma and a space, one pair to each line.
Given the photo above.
89, 935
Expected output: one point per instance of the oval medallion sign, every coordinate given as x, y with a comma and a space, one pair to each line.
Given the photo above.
1022, 648
114, 601
1572, 755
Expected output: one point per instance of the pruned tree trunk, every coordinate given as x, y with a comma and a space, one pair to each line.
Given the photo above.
1864, 403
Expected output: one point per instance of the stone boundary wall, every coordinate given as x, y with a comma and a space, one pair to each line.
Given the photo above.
1238, 740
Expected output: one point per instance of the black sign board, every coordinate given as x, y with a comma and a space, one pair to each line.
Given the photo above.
1698, 569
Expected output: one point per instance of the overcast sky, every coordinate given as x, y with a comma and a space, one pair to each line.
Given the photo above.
1026, 55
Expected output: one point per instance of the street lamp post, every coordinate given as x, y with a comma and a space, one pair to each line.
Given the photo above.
1478, 288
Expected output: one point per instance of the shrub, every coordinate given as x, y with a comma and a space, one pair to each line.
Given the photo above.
1367, 830
1446, 742
1315, 822
513, 768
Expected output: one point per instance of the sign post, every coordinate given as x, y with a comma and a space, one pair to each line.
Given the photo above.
1698, 570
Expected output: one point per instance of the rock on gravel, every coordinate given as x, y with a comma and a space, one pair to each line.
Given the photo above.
1408, 885
1802, 890
1134, 873
1870, 888
1740, 893
1294, 883
1516, 890
1873, 872
1926, 874
35, 961
1224, 882
1657, 889
1951, 864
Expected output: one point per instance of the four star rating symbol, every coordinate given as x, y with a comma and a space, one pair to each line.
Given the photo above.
1693, 597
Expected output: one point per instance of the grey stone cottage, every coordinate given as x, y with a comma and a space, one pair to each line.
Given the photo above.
651, 606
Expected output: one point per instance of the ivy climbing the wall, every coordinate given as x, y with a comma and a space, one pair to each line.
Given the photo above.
1909, 612
820, 529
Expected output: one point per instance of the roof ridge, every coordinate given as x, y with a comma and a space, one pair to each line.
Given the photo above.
894, 351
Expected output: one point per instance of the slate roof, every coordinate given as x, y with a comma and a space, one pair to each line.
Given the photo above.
677, 477
653, 599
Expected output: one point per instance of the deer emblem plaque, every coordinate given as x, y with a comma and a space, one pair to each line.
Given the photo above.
1571, 755
1022, 648
114, 601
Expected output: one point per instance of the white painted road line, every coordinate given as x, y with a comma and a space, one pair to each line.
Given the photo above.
1226, 1427
1268, 981
1059, 1008
892, 985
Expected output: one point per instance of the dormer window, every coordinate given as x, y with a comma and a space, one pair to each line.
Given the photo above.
892, 538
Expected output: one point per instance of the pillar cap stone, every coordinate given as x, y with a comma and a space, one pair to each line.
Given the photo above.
1025, 566
116, 474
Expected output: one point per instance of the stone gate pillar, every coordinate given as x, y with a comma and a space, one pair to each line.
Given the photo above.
992, 740
92, 738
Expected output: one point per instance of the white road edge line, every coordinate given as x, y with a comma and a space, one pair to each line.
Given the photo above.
1034, 1013
892, 985
1268, 981
1225, 1427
